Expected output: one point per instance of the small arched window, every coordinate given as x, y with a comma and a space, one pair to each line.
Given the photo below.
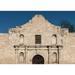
54, 39
21, 35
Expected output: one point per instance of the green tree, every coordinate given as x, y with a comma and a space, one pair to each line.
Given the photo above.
67, 24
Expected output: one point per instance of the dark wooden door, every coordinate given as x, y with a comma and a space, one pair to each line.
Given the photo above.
38, 59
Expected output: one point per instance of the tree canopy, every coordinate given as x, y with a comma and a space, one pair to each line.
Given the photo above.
67, 24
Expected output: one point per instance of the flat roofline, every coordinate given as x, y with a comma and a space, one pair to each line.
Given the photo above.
3, 33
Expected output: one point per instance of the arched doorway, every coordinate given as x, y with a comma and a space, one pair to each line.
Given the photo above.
38, 59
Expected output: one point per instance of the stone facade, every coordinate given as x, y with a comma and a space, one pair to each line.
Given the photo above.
53, 45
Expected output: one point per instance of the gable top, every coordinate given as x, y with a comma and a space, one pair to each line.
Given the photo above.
37, 19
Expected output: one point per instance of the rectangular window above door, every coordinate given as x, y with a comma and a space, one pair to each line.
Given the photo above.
37, 39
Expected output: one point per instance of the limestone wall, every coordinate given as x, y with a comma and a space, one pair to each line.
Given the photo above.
6, 53
37, 26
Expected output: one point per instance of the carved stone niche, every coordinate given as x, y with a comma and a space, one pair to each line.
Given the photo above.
54, 39
20, 53
21, 40
55, 57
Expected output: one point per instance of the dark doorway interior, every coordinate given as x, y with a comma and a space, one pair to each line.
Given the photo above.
38, 59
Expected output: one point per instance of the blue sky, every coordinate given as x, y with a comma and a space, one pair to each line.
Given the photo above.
10, 19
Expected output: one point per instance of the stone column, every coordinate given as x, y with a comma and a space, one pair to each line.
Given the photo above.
16, 53
49, 54
25, 54
58, 55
